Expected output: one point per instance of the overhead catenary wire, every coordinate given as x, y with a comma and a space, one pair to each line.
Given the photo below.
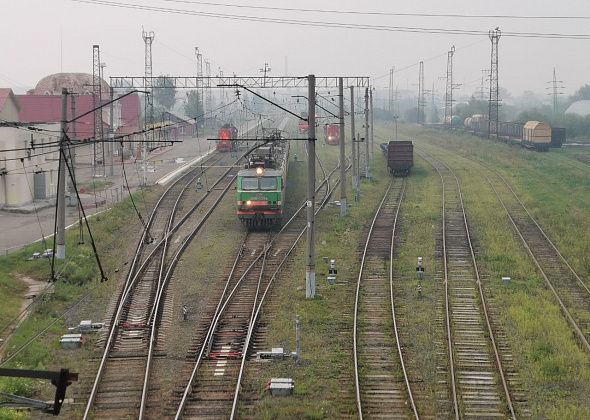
375, 13
325, 24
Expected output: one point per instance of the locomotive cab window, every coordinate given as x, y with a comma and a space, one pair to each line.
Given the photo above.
249, 183
268, 184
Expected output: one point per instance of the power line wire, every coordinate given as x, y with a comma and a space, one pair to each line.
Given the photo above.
358, 12
324, 24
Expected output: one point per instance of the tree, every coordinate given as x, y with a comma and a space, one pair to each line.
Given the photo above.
581, 94
164, 92
193, 108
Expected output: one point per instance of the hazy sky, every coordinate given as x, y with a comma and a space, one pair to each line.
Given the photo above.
40, 37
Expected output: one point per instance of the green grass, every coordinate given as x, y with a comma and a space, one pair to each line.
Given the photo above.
78, 275
552, 367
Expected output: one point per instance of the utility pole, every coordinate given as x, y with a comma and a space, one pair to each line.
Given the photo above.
391, 74
449, 88
494, 103
367, 169
98, 158
343, 203
353, 140
372, 125
200, 86
209, 96
310, 268
555, 90
61, 183
265, 70
148, 39
72, 150
420, 117
111, 132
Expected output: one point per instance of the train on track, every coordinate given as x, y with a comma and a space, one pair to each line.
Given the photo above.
536, 135
332, 134
260, 186
303, 125
226, 138
400, 156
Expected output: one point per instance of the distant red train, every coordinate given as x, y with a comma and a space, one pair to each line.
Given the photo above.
332, 134
226, 138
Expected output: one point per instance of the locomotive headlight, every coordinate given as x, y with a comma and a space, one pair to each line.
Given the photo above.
259, 171
248, 203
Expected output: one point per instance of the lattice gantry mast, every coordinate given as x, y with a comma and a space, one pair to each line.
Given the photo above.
148, 39
98, 150
449, 87
494, 103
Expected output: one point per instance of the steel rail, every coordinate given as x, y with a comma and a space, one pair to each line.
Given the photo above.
219, 310
483, 300
263, 298
562, 306
580, 281
356, 306
447, 305
168, 275
393, 317
133, 274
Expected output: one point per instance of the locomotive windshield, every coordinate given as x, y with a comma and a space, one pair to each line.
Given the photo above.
268, 184
249, 183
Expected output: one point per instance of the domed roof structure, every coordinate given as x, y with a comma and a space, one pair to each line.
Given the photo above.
80, 83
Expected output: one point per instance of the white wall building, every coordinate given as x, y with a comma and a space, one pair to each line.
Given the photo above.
26, 174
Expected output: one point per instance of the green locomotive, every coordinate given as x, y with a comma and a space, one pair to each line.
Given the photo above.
260, 189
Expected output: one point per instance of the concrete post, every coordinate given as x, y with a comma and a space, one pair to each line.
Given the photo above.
343, 203
111, 145
310, 267
61, 188
372, 122
353, 139
72, 152
367, 153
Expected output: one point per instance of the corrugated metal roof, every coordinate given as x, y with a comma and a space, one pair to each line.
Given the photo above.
579, 107
47, 109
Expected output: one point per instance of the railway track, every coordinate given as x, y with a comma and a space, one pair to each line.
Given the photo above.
218, 361
479, 387
570, 291
120, 385
382, 385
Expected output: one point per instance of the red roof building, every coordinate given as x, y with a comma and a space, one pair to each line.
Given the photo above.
38, 109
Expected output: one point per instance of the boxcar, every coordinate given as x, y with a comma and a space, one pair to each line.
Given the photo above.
400, 157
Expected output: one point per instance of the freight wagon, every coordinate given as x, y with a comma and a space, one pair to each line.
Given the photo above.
400, 156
